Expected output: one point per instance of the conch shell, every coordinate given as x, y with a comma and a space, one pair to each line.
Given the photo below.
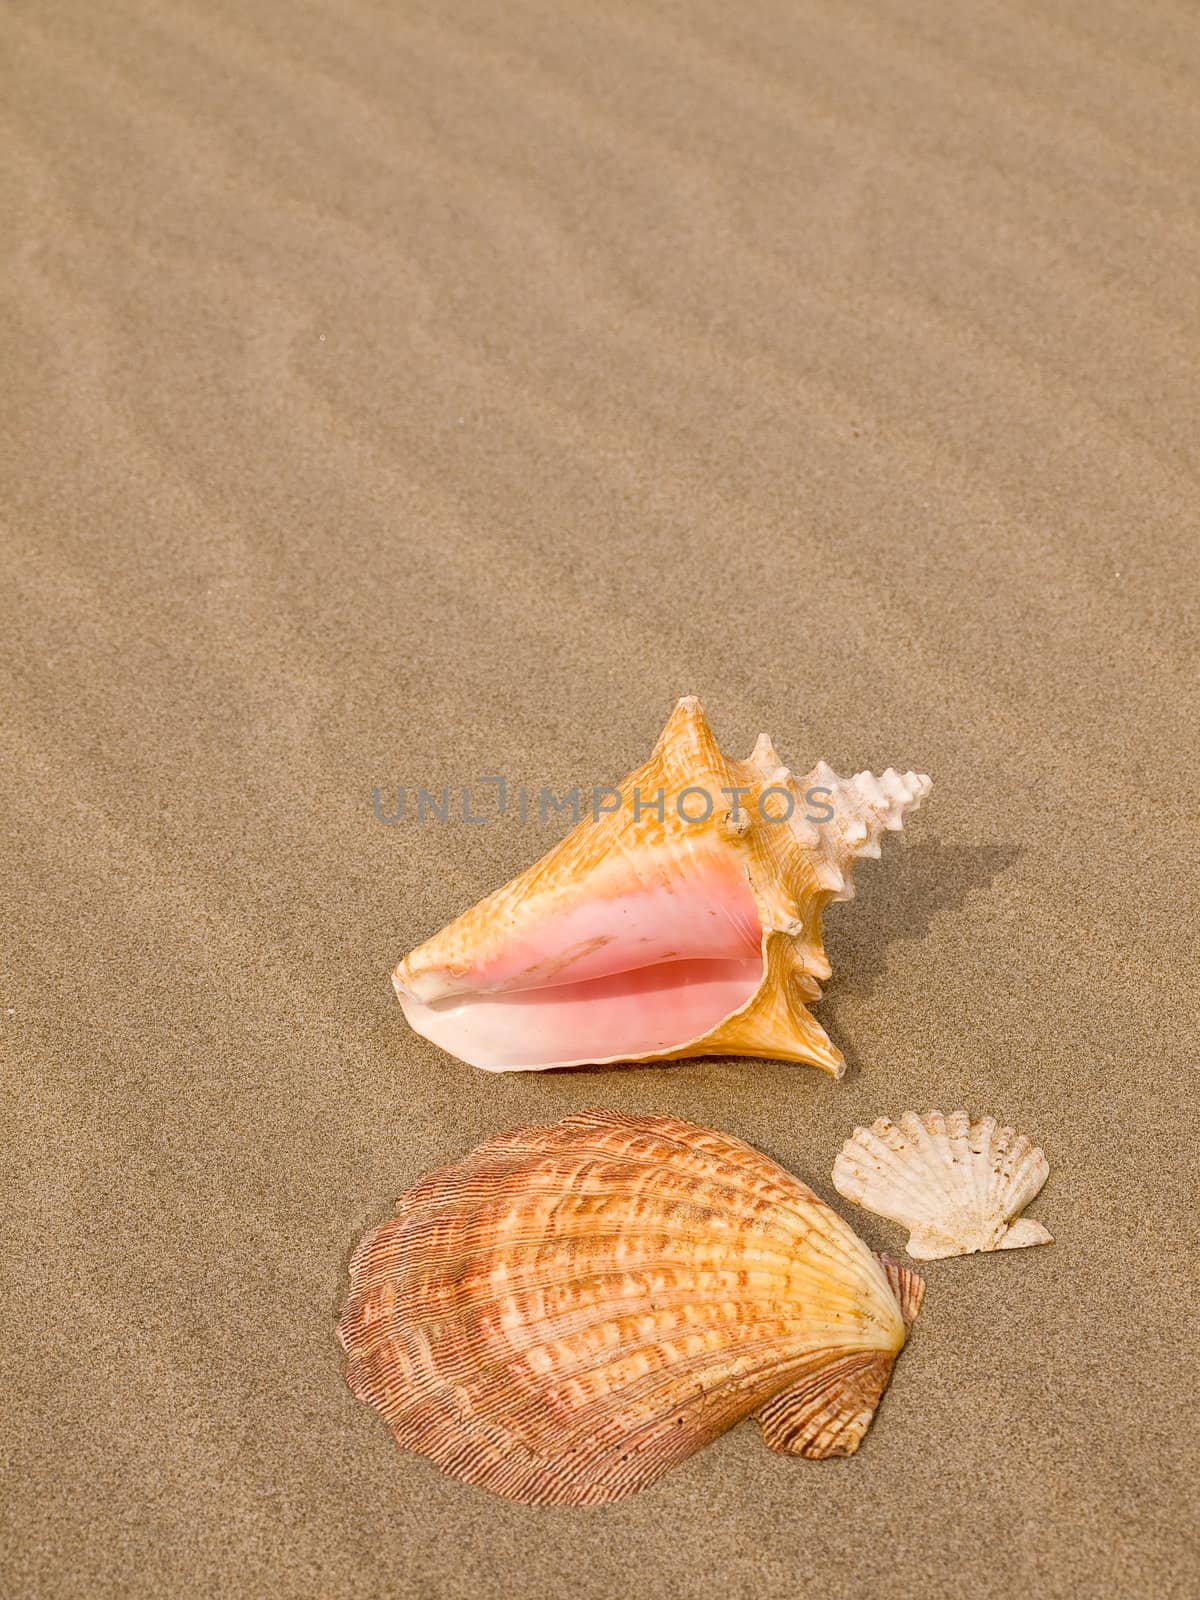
958, 1186
567, 1312
682, 919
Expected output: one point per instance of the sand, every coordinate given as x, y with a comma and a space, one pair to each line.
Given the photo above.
403, 394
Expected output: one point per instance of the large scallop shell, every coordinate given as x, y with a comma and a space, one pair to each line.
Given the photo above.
958, 1186
567, 1312
681, 918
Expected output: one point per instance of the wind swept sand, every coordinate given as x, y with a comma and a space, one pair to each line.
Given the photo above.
398, 394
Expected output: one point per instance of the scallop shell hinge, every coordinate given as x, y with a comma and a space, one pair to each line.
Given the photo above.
958, 1186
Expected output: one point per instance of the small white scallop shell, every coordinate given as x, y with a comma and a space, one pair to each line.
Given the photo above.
958, 1186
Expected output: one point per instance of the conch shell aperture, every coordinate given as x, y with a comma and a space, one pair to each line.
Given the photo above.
566, 1313
683, 921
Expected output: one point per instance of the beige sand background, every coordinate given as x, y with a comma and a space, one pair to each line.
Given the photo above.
397, 394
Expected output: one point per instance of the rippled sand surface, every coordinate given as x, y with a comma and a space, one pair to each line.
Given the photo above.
400, 394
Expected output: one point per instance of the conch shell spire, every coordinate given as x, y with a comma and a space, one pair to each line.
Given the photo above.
864, 809
685, 921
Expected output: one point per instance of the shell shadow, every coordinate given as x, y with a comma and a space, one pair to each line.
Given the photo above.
898, 904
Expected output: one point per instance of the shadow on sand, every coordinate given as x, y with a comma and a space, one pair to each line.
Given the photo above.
895, 905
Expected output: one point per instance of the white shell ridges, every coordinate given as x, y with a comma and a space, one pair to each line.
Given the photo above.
864, 807
958, 1186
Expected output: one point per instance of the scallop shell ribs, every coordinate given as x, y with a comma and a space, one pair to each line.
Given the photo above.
681, 918
567, 1312
958, 1186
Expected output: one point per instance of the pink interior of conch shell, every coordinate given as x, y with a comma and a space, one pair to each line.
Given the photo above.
631, 973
